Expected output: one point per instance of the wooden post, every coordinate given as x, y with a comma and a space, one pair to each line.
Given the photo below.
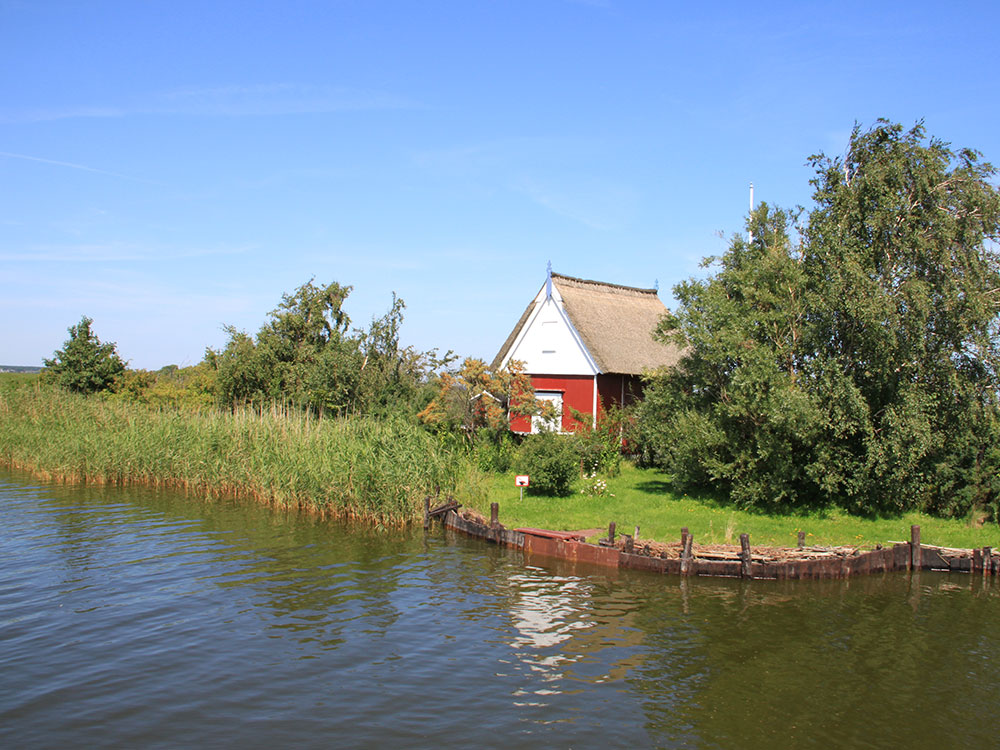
802, 539
977, 561
987, 559
494, 515
916, 558
629, 544
611, 533
427, 512
745, 569
684, 537
686, 554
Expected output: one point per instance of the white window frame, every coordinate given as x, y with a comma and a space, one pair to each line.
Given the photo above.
555, 425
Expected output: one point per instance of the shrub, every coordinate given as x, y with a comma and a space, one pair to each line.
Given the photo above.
85, 364
600, 448
494, 453
595, 486
551, 461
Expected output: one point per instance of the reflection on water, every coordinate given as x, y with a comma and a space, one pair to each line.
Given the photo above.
134, 617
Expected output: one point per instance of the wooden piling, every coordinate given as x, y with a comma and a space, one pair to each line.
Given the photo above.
684, 536
494, 515
427, 512
916, 558
977, 561
745, 559
686, 553
611, 533
802, 539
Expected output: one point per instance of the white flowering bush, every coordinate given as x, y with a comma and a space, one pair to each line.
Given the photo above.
595, 486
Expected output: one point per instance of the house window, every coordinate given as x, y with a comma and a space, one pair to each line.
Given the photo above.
555, 424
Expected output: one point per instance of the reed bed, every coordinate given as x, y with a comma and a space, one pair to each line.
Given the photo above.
365, 468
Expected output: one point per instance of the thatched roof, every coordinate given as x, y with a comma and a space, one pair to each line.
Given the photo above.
615, 322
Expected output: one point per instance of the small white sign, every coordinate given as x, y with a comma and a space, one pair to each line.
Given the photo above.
521, 480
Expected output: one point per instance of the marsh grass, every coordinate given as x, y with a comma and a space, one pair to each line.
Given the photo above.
370, 469
644, 498
379, 470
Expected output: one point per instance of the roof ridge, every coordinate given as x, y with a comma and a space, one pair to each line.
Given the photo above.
605, 284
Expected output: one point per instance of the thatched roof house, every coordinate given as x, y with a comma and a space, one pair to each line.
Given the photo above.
585, 344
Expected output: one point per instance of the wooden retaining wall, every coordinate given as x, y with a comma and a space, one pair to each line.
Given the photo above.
564, 545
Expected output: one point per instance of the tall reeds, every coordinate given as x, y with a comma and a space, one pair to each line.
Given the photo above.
377, 469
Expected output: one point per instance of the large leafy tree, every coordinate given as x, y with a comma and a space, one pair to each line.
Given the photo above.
857, 365
307, 354
85, 364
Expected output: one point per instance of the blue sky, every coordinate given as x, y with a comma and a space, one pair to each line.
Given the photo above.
172, 167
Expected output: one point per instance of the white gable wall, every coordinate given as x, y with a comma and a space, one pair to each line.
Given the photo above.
548, 344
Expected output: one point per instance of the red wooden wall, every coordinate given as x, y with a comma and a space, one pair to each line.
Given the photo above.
578, 392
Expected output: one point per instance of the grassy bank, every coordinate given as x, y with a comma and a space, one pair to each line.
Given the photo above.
642, 498
359, 467
379, 469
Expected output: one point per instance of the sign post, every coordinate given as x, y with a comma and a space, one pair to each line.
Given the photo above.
522, 481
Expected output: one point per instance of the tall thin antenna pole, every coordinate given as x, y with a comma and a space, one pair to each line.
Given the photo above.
750, 231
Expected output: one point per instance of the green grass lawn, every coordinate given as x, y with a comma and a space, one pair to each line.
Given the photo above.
642, 497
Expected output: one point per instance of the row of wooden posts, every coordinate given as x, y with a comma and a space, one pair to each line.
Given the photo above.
977, 560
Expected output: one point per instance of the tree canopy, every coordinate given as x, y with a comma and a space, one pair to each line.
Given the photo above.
850, 359
307, 354
476, 398
84, 364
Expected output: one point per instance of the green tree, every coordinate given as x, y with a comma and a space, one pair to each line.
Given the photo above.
84, 364
302, 354
307, 354
857, 365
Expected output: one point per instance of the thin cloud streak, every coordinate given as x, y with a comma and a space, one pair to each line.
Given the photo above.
112, 253
82, 167
230, 101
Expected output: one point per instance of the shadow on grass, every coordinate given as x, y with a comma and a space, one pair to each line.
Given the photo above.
718, 500
655, 487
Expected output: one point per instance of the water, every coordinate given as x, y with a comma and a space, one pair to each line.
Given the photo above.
149, 619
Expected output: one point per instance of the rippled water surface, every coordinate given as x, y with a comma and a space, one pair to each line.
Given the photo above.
150, 619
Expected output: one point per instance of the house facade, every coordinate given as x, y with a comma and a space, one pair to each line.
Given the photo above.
585, 345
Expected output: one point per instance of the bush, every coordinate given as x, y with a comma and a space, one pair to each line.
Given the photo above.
494, 453
84, 364
551, 461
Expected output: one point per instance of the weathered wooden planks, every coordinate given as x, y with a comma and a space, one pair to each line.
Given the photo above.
769, 564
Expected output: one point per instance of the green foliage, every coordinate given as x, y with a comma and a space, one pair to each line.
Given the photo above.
84, 364
551, 461
595, 486
857, 365
600, 448
374, 468
494, 452
479, 401
187, 388
307, 355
